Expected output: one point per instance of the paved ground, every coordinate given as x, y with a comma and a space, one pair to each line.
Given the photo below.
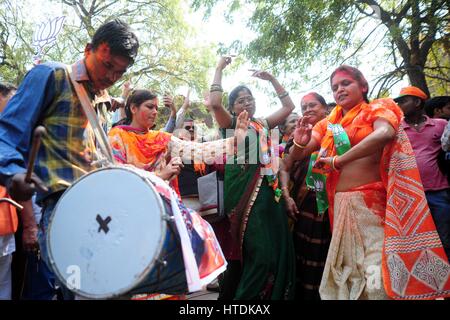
203, 295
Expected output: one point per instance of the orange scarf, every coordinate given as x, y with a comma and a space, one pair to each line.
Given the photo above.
143, 149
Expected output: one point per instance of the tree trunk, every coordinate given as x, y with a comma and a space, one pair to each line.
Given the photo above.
417, 78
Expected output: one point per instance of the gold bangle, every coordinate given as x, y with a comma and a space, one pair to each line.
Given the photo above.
298, 145
333, 165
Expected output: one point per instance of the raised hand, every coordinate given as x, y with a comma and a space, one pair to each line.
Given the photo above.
261, 74
242, 122
168, 101
223, 62
187, 101
126, 89
303, 130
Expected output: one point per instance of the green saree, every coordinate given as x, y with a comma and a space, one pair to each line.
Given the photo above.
259, 232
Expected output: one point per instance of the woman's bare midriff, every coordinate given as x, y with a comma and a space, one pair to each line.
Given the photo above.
360, 172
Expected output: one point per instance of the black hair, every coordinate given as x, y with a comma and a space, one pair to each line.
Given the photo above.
435, 103
137, 97
119, 37
6, 88
330, 107
234, 95
356, 74
318, 97
282, 126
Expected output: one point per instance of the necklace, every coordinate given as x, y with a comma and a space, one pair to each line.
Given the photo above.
422, 119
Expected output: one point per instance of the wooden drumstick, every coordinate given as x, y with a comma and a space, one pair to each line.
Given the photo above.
38, 132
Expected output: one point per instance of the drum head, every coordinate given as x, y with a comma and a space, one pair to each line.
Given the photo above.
106, 232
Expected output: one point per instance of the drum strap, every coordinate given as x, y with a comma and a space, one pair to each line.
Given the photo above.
86, 103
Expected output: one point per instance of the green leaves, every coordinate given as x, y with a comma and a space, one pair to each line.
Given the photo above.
293, 35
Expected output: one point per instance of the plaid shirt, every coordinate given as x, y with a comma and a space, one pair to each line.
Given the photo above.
46, 97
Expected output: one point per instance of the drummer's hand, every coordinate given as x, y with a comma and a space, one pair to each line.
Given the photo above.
30, 239
241, 126
20, 190
30, 228
172, 169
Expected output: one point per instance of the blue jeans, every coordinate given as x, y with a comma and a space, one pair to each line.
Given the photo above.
39, 280
47, 210
439, 203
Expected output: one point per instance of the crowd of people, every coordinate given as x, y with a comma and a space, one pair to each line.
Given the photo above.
348, 200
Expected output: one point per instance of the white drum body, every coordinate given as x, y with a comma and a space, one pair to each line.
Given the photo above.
107, 232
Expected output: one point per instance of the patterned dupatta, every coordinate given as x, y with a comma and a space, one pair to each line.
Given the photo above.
267, 151
414, 263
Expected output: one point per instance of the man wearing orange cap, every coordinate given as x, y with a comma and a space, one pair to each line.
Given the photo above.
425, 136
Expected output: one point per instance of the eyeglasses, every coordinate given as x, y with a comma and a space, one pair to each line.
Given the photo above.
244, 99
189, 128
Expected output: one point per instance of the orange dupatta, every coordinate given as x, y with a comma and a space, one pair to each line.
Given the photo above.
143, 149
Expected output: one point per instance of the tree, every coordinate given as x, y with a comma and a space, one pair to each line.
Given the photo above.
166, 59
14, 48
291, 35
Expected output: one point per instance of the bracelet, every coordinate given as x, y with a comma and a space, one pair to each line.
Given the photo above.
284, 188
298, 145
283, 95
333, 163
215, 87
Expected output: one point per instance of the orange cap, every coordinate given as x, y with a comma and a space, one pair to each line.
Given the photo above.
412, 91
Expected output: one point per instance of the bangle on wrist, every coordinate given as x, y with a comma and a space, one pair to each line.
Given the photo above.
283, 95
298, 145
215, 87
333, 164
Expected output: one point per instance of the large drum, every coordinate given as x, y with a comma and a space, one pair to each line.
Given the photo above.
112, 234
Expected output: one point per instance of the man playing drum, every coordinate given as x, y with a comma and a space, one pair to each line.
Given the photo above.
46, 97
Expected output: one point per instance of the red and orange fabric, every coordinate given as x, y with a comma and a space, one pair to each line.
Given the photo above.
8, 215
146, 150
414, 263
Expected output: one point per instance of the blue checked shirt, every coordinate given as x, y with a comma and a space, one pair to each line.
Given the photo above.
46, 97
